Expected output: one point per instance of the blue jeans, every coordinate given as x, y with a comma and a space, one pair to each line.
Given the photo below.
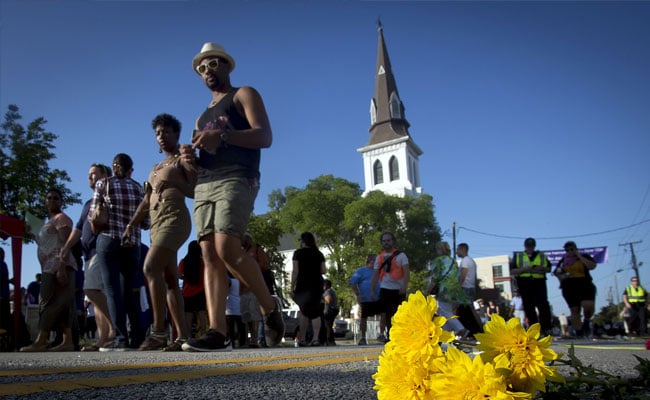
119, 267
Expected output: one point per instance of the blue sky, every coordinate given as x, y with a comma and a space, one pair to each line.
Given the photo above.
533, 116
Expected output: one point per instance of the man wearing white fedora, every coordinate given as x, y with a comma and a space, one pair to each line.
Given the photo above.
229, 136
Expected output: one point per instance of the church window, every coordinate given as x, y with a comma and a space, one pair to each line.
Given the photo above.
395, 106
393, 168
378, 172
373, 112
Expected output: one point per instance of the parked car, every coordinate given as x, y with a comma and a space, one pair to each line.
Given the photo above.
291, 323
341, 327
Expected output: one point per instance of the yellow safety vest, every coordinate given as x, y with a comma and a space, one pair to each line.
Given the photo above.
635, 295
523, 260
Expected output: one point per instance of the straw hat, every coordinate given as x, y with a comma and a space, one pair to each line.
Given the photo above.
211, 49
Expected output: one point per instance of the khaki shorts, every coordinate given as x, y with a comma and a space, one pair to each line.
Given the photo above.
224, 206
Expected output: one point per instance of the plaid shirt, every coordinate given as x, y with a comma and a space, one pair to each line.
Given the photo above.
124, 196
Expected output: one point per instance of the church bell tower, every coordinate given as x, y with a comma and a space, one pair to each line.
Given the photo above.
391, 157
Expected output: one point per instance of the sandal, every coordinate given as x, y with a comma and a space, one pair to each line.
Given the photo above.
154, 341
176, 345
62, 347
92, 347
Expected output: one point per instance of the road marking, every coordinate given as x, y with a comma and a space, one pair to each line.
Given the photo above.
586, 346
96, 368
66, 385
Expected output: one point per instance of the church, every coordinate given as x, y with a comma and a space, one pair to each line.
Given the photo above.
391, 157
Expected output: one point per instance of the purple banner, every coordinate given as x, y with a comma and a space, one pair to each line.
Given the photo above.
598, 253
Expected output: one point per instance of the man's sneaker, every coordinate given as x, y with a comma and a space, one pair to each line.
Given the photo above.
115, 345
274, 324
363, 342
210, 341
381, 338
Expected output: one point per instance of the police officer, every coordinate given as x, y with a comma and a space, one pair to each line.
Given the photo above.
530, 268
635, 301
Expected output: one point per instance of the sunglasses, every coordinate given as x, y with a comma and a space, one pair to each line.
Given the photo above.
212, 65
52, 198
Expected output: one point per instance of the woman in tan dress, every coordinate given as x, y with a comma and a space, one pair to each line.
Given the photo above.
170, 181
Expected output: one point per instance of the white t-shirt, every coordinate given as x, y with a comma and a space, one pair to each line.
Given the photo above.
233, 304
470, 279
517, 303
388, 282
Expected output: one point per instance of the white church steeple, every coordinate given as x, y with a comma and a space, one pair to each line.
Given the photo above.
391, 157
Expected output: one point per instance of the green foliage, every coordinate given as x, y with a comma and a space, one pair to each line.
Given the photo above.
25, 174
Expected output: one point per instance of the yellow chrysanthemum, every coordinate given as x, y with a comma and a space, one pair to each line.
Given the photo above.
461, 377
512, 348
416, 331
398, 379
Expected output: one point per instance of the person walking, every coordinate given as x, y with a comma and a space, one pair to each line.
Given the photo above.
56, 298
229, 136
361, 281
93, 286
577, 286
119, 260
467, 313
444, 284
307, 286
530, 268
330, 311
517, 308
564, 325
392, 271
34, 289
250, 306
170, 181
492, 309
191, 270
5, 309
635, 297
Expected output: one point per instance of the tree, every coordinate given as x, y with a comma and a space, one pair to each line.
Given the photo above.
410, 219
25, 175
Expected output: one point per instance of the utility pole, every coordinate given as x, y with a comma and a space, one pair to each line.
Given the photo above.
610, 297
453, 239
634, 265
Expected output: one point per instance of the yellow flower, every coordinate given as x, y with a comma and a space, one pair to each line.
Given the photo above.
462, 378
518, 353
416, 332
398, 379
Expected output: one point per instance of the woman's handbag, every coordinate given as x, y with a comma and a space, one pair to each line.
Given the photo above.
99, 217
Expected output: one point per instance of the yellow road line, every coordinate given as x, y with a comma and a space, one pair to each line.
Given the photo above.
586, 346
95, 368
66, 385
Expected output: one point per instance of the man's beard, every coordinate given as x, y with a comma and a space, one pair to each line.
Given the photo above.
215, 84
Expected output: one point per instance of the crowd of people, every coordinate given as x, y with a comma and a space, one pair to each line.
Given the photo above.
225, 295
220, 171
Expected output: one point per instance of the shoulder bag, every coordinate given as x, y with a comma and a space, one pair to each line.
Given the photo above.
99, 217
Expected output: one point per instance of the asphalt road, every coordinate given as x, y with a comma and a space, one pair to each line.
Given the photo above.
340, 372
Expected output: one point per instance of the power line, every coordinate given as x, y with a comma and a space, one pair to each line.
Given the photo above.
554, 237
